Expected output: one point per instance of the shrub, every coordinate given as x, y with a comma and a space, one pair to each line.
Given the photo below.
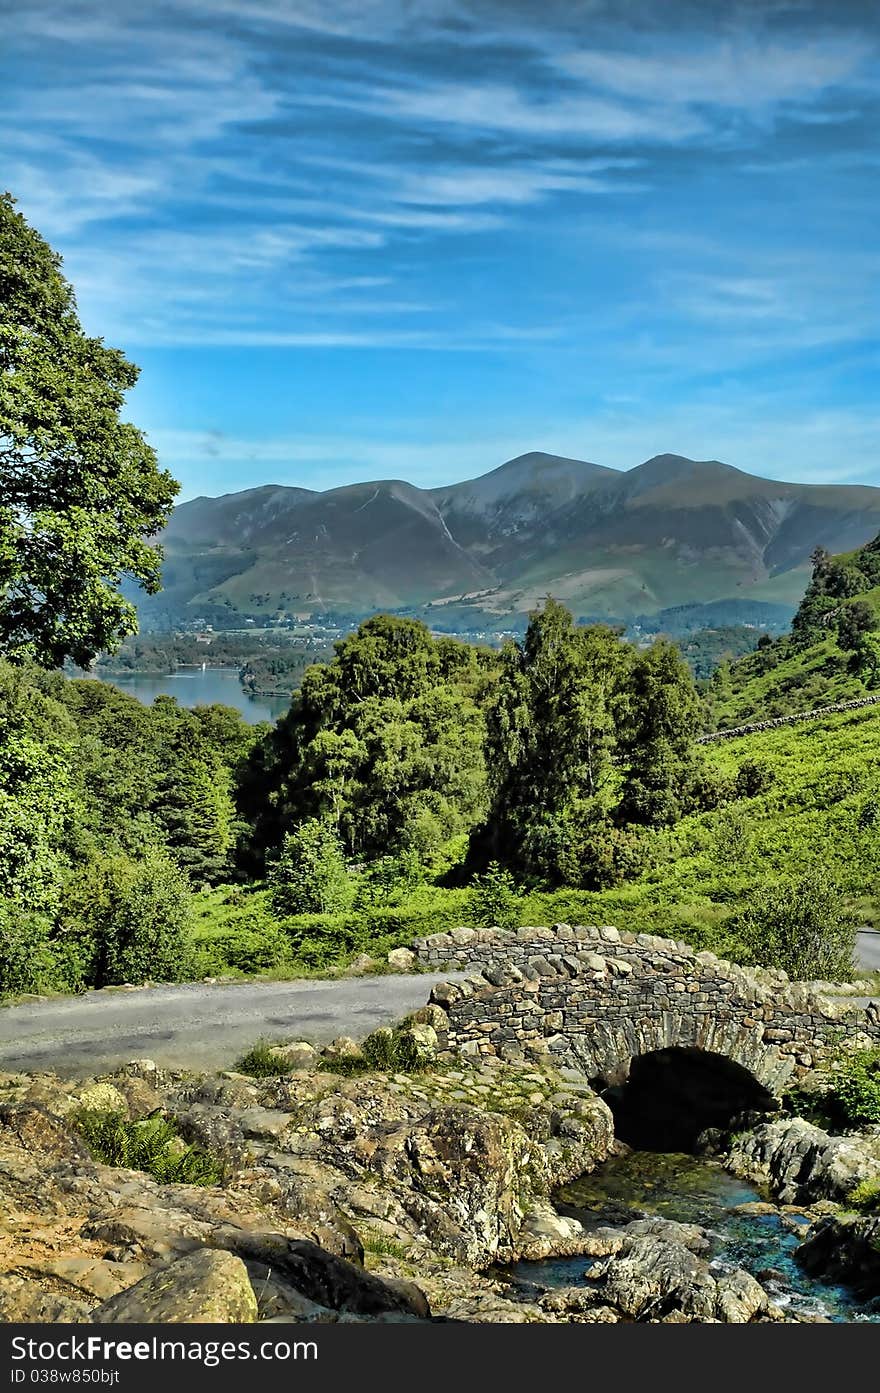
494, 899
387, 881
802, 926
733, 836
244, 950
263, 1061
392, 1051
753, 777
133, 919
151, 1145
855, 1088
310, 875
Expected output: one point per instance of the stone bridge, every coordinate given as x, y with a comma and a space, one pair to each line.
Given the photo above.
632, 1011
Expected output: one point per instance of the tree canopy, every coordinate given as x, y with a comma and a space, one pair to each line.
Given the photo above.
81, 492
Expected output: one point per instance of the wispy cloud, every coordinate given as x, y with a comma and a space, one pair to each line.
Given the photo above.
604, 198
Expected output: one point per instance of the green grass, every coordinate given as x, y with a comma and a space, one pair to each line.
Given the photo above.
380, 1246
263, 1061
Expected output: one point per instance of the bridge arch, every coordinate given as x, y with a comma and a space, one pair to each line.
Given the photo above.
669, 1097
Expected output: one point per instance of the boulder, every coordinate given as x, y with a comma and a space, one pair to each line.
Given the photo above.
23, 1299
323, 1278
644, 1277
102, 1097
360, 964
802, 1163
418, 1042
467, 1178
845, 1248
343, 1047
299, 1054
204, 1286
401, 959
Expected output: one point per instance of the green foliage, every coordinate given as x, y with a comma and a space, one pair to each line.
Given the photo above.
25, 957
495, 900
151, 1145
585, 737
855, 1087
388, 880
385, 743
81, 493
802, 926
310, 875
832, 654
263, 1061
133, 918
661, 716
866, 1196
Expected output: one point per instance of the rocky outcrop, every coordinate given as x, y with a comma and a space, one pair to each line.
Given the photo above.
845, 1248
801, 1163
374, 1196
203, 1286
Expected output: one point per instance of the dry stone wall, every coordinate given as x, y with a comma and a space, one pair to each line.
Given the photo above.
597, 997
777, 721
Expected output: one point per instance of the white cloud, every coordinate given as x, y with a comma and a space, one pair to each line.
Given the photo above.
745, 72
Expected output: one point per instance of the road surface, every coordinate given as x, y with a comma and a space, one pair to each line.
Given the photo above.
195, 1026
868, 950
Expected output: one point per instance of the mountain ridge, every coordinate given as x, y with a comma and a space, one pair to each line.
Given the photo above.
669, 531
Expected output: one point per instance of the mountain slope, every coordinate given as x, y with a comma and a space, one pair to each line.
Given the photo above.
671, 531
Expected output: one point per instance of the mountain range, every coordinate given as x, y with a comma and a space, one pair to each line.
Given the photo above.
607, 542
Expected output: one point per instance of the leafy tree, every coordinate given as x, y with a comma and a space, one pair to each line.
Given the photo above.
854, 622
802, 926
660, 718
551, 740
385, 743
36, 797
80, 490
310, 875
25, 958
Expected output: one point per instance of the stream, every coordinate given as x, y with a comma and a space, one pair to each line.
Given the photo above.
692, 1190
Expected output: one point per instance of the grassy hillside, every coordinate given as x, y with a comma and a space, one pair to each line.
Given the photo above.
831, 654
822, 808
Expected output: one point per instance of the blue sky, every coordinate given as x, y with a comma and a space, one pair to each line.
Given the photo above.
349, 239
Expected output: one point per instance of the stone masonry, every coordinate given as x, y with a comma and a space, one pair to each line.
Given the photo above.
597, 997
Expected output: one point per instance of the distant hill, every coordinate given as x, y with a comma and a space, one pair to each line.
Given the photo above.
671, 532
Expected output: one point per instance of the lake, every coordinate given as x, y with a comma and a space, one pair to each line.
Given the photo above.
199, 687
